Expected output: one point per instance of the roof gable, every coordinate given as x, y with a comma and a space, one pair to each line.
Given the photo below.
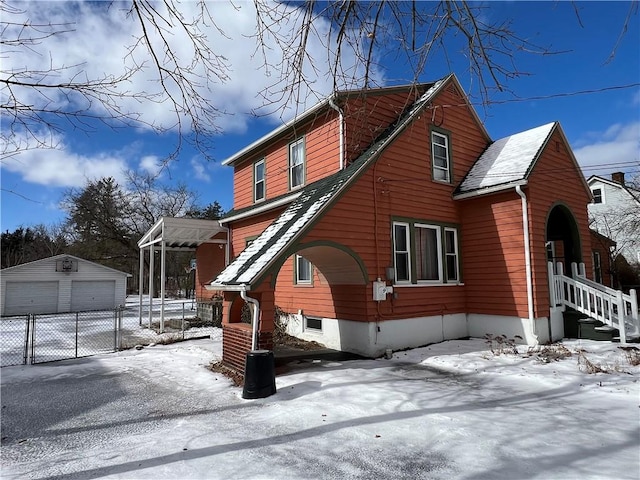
60, 257
506, 162
632, 192
252, 264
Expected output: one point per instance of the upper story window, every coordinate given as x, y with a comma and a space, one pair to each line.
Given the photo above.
303, 271
258, 181
296, 163
441, 157
425, 253
597, 195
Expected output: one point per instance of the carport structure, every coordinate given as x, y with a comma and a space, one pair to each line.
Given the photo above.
174, 234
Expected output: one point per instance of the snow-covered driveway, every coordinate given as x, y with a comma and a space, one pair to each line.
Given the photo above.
448, 411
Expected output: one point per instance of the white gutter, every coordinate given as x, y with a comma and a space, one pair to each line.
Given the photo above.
255, 311
489, 190
341, 117
261, 209
527, 260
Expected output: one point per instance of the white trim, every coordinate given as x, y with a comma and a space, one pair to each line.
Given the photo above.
488, 190
261, 208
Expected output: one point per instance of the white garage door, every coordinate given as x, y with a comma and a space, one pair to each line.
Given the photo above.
93, 295
31, 297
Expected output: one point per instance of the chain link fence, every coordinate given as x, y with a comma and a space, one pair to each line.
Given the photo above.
46, 338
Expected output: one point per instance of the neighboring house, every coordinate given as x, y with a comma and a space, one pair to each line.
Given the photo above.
615, 213
388, 218
601, 256
62, 283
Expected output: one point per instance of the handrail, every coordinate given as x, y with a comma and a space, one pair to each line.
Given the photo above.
611, 307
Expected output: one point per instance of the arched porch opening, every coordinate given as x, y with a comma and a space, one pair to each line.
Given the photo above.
563, 238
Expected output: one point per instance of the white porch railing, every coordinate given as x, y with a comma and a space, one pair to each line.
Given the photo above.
611, 307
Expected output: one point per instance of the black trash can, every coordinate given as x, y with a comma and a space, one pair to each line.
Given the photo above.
259, 374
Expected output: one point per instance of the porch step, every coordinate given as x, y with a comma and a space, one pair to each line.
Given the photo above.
591, 329
630, 339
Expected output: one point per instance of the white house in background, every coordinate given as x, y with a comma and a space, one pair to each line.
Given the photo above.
62, 283
615, 213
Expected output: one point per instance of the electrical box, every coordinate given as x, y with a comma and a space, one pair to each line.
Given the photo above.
380, 290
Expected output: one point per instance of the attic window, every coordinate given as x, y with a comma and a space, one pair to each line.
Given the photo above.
296, 163
597, 195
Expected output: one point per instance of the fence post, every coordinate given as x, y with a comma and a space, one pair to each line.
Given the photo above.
26, 340
634, 309
182, 326
120, 315
33, 338
77, 317
621, 313
115, 330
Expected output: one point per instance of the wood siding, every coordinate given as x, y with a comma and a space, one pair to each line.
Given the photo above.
555, 180
493, 255
362, 221
322, 147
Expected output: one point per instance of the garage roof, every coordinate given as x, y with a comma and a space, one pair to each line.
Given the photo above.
181, 233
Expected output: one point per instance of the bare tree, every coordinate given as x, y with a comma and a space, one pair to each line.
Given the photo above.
170, 46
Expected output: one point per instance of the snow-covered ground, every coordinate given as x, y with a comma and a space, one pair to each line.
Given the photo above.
448, 411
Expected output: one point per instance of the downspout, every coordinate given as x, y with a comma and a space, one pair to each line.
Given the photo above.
254, 315
341, 116
527, 260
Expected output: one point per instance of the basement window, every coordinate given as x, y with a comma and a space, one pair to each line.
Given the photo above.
311, 323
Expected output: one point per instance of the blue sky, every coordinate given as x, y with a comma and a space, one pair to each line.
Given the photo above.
603, 127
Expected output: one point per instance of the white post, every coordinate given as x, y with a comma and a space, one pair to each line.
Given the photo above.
162, 282
152, 253
582, 271
634, 309
552, 286
623, 333
574, 270
140, 286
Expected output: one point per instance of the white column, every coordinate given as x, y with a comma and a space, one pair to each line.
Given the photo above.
152, 254
140, 286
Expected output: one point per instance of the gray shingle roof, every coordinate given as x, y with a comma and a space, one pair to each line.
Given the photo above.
253, 263
506, 161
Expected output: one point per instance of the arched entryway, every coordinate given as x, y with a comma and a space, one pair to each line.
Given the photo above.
562, 237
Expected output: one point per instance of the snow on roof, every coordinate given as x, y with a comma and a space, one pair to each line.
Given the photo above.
507, 160
254, 261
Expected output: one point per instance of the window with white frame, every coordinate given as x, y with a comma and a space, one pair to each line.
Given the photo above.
440, 157
258, 181
597, 195
451, 254
401, 255
425, 253
296, 163
303, 271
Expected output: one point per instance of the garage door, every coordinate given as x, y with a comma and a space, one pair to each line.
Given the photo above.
31, 297
93, 295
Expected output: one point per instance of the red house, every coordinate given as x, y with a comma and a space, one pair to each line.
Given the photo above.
389, 219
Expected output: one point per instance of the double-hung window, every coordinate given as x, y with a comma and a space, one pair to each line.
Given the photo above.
440, 157
258, 181
303, 271
401, 252
296, 163
425, 253
428, 253
597, 195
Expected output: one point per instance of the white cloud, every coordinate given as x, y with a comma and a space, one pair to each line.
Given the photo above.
616, 148
200, 170
150, 164
102, 34
60, 167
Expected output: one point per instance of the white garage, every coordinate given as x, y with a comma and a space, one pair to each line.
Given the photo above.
63, 283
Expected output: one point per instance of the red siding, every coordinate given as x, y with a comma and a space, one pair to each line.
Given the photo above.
555, 180
210, 261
